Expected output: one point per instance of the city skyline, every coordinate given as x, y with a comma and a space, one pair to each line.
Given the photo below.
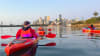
14, 11
45, 20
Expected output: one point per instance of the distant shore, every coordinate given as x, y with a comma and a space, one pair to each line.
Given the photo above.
76, 25
20, 25
85, 25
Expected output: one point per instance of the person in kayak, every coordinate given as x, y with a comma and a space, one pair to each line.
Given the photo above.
26, 32
91, 27
41, 32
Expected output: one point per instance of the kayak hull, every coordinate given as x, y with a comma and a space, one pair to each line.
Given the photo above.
51, 35
90, 31
14, 47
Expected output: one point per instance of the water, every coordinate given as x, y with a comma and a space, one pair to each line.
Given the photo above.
69, 42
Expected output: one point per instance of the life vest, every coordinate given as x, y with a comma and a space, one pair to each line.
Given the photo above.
41, 33
26, 33
91, 28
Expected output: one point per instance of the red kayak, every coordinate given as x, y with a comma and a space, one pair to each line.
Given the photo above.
17, 45
90, 31
51, 35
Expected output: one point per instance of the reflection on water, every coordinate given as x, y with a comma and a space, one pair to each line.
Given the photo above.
59, 31
94, 41
69, 42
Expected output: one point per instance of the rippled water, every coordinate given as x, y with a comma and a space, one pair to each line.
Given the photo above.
69, 42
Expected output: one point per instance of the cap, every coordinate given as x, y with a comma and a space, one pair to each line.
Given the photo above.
26, 22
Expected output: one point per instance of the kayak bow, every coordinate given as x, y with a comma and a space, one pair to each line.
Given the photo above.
17, 45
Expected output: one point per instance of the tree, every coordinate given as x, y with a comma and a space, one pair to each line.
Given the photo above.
93, 20
95, 14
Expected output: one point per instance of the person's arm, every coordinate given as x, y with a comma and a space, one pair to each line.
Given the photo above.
94, 28
35, 36
18, 34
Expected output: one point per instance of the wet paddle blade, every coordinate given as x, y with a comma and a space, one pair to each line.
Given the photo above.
6, 36
3, 44
51, 35
49, 44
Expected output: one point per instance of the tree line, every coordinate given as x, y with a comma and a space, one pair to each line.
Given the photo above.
92, 20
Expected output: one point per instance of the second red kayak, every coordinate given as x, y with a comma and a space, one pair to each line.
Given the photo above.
90, 31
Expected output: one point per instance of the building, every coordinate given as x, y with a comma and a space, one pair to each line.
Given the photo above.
60, 19
46, 19
75, 20
33, 22
40, 20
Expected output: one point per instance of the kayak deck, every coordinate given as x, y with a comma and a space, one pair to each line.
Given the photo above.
18, 45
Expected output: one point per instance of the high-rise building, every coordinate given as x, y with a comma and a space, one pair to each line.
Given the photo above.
46, 19
60, 18
40, 20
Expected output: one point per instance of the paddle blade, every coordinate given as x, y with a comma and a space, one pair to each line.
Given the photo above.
92, 38
51, 35
3, 44
6, 36
49, 44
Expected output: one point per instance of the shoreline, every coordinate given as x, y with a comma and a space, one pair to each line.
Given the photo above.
85, 25
20, 25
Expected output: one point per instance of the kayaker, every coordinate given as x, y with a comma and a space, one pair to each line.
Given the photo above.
41, 32
26, 32
40, 29
91, 27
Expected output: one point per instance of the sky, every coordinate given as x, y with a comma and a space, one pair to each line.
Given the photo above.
18, 11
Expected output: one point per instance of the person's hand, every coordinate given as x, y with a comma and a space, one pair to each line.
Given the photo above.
10, 44
39, 38
35, 41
